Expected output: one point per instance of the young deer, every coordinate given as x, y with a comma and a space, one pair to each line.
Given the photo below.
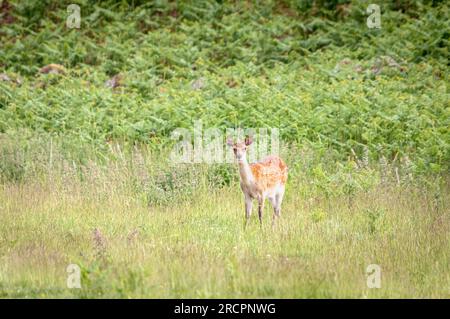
260, 180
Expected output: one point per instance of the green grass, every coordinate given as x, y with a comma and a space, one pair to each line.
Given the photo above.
363, 116
194, 243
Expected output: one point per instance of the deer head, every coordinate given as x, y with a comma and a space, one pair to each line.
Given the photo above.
240, 148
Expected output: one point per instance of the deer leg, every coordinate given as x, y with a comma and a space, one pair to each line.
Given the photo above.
260, 209
248, 209
278, 201
273, 201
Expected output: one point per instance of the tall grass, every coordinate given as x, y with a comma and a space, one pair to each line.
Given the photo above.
140, 227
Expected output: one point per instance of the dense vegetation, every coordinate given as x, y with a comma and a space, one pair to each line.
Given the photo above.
85, 178
315, 71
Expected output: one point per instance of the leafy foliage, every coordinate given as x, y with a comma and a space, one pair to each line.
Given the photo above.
313, 69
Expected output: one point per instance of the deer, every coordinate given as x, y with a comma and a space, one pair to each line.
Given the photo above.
260, 180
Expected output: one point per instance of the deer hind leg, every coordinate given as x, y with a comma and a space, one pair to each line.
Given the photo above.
278, 201
273, 201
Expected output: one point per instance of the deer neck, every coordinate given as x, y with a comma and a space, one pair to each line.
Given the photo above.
245, 172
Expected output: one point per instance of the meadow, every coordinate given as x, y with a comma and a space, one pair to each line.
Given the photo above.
86, 176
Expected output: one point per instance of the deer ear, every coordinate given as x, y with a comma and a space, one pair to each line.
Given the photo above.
248, 140
230, 141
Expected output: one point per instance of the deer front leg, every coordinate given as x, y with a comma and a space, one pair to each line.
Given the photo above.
248, 209
260, 209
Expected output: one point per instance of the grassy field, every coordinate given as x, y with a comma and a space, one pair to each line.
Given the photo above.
86, 177
139, 227
196, 245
